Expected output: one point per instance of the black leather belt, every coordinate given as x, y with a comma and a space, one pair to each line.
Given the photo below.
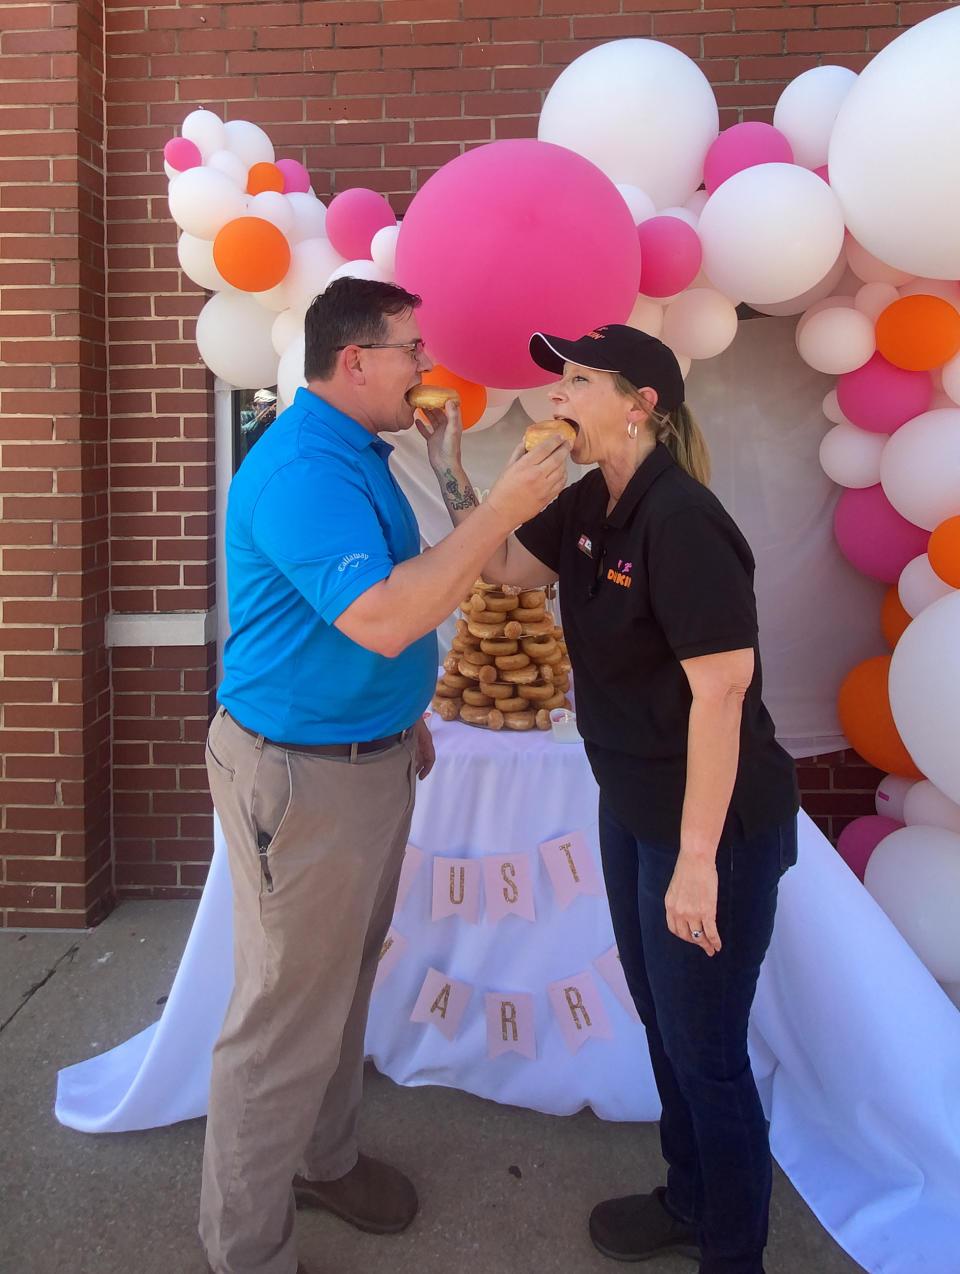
350, 750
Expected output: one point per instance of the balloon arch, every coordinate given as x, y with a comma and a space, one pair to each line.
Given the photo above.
632, 206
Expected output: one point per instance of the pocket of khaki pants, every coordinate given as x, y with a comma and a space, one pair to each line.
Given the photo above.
217, 767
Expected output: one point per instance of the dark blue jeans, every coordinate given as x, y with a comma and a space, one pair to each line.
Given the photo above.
695, 1010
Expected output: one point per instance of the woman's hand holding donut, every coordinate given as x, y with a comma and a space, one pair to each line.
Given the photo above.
531, 480
691, 902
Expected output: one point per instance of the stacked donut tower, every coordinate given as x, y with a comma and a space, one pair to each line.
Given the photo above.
508, 665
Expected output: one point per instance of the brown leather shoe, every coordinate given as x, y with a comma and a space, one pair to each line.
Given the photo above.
373, 1196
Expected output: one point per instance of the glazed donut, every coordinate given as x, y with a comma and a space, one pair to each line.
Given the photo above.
513, 705
455, 680
480, 585
519, 676
519, 720
468, 671
548, 661
486, 630
474, 716
544, 429
537, 690
474, 656
476, 698
555, 701
431, 396
534, 628
488, 673
498, 646
461, 645
529, 614
511, 630
486, 617
493, 601
546, 672
444, 691
519, 660
543, 719
495, 719
499, 690
533, 597
462, 628
447, 709
539, 647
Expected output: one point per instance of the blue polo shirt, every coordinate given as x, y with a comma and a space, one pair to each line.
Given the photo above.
314, 519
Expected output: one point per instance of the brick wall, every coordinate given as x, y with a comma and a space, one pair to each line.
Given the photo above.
103, 758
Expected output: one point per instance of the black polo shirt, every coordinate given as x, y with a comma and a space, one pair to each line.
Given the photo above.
665, 576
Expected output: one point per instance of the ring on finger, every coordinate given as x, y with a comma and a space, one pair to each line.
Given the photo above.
696, 933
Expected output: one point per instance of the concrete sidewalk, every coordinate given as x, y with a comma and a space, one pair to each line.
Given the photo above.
502, 1189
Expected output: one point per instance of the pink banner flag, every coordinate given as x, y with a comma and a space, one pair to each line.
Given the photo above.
456, 889
570, 864
510, 1027
412, 858
611, 970
442, 1001
508, 886
391, 953
579, 1009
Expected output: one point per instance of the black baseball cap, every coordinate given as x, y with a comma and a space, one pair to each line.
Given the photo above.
641, 358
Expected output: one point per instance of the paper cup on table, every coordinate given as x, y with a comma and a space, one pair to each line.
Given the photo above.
563, 726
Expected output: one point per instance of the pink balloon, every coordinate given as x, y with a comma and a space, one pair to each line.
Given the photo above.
860, 838
873, 536
880, 397
511, 238
743, 146
353, 218
670, 255
822, 172
296, 179
181, 153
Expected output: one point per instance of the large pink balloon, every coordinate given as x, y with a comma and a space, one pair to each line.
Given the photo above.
873, 536
881, 397
743, 146
670, 254
511, 238
860, 838
353, 218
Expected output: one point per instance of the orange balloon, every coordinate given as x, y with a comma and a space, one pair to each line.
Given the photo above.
893, 618
943, 550
863, 706
264, 176
919, 332
251, 254
473, 398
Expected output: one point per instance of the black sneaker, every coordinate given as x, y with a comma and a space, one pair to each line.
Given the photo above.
639, 1226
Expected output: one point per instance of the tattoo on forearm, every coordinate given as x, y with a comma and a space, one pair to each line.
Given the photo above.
455, 496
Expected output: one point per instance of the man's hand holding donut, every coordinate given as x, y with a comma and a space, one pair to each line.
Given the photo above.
437, 417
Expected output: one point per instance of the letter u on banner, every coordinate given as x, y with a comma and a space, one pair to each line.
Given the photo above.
456, 889
510, 1024
442, 1001
579, 1010
508, 886
571, 868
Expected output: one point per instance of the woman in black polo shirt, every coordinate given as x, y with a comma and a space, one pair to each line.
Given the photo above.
697, 800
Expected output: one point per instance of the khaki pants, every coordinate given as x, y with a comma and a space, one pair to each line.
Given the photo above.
310, 916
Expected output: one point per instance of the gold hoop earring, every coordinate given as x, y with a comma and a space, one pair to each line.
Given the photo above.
632, 429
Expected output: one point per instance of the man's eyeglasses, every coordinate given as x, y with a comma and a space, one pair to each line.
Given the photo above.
415, 348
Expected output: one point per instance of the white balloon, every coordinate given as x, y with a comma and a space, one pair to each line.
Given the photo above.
537, 403
925, 692
196, 261
891, 793
249, 142
203, 200
696, 202
828, 303
170, 171
383, 250
868, 269
310, 216
358, 270
836, 340
851, 457
272, 206
914, 874
290, 375
807, 109
682, 214
231, 165
920, 468
205, 129
873, 299
646, 316
926, 804
499, 402
233, 339
798, 304
831, 409
950, 378
700, 323
641, 206
312, 261
641, 111
919, 586
902, 117
684, 363
287, 326
770, 232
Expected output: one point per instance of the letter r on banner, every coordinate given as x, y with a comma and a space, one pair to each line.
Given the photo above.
510, 1024
579, 1010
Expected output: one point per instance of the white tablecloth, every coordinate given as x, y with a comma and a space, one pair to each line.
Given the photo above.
855, 1047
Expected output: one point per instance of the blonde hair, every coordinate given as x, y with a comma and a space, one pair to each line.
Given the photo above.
678, 431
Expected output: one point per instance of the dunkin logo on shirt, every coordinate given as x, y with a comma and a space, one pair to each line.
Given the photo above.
621, 574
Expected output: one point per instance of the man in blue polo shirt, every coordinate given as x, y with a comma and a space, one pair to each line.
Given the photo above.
312, 759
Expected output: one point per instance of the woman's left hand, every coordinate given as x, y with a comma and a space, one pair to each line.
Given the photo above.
423, 751
691, 902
